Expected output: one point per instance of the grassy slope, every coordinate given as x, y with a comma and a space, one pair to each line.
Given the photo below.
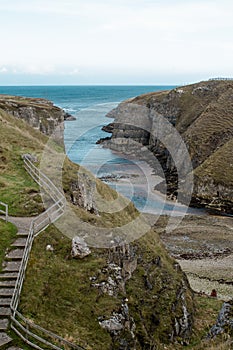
17, 189
218, 166
212, 129
58, 285
205, 114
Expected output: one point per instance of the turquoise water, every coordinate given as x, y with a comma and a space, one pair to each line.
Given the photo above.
90, 104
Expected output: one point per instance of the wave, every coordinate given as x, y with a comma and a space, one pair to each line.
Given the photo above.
70, 110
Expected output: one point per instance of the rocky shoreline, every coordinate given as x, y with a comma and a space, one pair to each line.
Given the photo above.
203, 246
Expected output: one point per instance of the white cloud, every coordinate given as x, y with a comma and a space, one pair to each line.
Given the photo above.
40, 69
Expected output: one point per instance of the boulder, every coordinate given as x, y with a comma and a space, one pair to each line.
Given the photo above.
79, 248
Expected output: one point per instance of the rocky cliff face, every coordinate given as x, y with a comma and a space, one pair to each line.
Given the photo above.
203, 115
141, 277
41, 114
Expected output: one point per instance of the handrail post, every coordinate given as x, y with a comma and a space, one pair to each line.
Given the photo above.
5, 210
6, 213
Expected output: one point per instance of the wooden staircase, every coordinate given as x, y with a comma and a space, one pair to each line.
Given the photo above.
8, 277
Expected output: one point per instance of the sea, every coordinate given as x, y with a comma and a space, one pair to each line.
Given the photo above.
89, 105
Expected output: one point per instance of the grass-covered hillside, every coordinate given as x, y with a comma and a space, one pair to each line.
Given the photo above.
64, 294
17, 188
61, 294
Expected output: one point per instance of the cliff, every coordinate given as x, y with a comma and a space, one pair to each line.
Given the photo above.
41, 114
202, 114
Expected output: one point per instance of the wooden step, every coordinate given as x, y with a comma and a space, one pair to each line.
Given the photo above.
4, 324
4, 339
8, 275
8, 283
15, 254
5, 302
12, 266
6, 292
19, 242
5, 311
22, 234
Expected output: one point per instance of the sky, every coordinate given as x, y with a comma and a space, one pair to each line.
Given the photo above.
114, 42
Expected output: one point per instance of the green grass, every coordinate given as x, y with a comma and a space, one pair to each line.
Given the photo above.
17, 188
58, 285
57, 292
7, 234
214, 165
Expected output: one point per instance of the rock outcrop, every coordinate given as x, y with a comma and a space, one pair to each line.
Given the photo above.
83, 192
143, 282
224, 322
203, 115
80, 248
41, 114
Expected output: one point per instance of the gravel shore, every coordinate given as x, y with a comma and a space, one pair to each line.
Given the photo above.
203, 246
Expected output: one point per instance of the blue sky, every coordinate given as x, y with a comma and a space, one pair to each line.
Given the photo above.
115, 41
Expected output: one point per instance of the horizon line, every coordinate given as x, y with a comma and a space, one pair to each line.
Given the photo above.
83, 85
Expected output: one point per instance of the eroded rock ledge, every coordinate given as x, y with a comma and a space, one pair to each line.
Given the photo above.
41, 114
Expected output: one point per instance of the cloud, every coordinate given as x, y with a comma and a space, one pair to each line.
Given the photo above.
40, 69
